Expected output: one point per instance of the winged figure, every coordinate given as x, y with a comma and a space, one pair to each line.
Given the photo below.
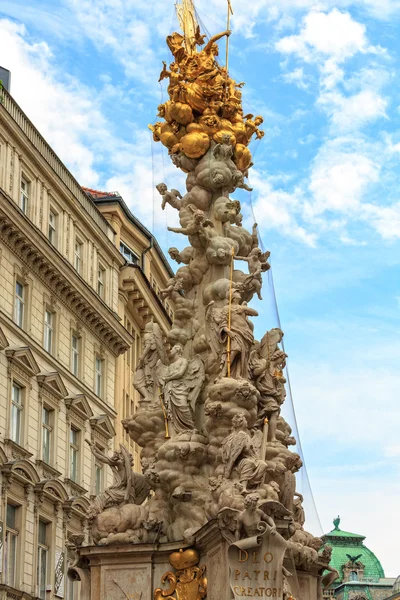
258, 263
238, 452
181, 382
354, 559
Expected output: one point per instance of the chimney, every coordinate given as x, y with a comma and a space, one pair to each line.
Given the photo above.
5, 79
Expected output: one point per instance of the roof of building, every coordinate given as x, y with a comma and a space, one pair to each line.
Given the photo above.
346, 545
99, 197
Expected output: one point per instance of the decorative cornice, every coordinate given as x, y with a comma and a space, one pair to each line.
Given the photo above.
30, 245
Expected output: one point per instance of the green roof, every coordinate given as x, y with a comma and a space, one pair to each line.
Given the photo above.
345, 543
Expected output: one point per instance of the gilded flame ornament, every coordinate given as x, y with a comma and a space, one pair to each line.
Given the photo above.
205, 103
188, 583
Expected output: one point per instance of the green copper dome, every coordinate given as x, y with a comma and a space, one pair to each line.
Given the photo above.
347, 547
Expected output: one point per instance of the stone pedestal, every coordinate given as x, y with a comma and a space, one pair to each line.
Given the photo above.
134, 571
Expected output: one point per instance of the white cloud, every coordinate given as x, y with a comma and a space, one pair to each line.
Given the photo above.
276, 209
297, 77
352, 112
339, 179
326, 35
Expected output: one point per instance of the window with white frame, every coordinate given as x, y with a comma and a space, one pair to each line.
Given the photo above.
11, 545
78, 255
43, 558
98, 375
49, 324
74, 453
127, 253
24, 195
19, 303
52, 227
75, 353
101, 276
17, 406
47, 434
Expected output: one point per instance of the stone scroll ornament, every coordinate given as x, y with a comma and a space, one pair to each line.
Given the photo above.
256, 566
213, 443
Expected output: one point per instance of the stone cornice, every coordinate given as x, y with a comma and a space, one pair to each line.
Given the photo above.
141, 297
31, 246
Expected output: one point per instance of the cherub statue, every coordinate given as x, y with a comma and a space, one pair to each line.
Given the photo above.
196, 225
238, 182
176, 285
181, 382
128, 487
174, 77
174, 198
234, 323
258, 263
252, 127
238, 452
184, 256
250, 518
223, 151
145, 378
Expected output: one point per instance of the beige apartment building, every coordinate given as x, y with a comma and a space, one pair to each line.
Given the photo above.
140, 300
72, 312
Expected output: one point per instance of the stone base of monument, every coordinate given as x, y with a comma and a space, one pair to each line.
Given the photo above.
136, 571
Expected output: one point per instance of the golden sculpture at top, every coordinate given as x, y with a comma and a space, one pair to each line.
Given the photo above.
205, 103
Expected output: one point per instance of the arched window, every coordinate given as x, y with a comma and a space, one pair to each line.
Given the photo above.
353, 576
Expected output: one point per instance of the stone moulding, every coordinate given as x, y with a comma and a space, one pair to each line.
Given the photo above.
56, 273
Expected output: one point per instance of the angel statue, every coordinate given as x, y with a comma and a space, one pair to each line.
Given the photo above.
258, 263
128, 487
145, 378
254, 520
174, 197
181, 382
238, 453
240, 331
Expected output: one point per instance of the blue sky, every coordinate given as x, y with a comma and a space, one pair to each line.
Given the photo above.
326, 194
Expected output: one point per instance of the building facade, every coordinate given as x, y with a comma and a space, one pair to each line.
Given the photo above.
141, 281
72, 311
361, 576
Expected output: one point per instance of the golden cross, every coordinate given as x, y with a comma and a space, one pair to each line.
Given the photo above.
230, 12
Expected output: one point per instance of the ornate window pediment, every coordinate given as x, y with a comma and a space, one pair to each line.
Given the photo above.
22, 471
52, 490
53, 384
79, 405
22, 357
102, 424
3, 340
77, 506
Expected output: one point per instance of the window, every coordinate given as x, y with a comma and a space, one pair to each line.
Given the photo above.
98, 472
47, 431
10, 554
98, 381
19, 303
78, 256
75, 353
52, 228
353, 576
74, 436
43, 554
71, 585
48, 331
101, 272
127, 253
16, 413
24, 195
